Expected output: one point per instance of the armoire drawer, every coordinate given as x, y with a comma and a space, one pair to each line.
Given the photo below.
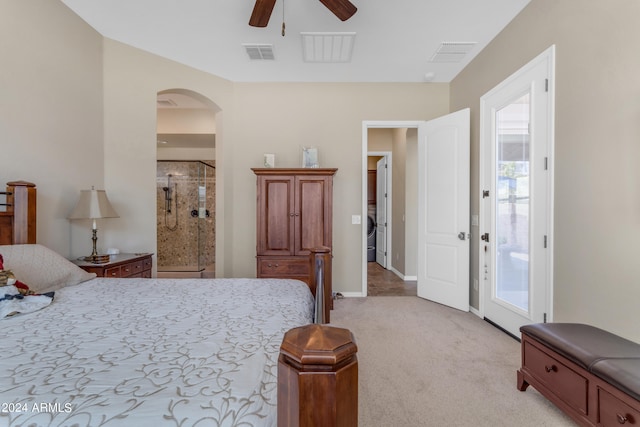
283, 267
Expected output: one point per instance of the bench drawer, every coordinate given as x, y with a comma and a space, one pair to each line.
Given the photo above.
614, 412
568, 385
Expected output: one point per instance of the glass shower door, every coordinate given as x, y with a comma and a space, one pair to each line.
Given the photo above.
202, 215
182, 214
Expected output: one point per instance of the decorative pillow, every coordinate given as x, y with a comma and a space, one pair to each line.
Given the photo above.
43, 269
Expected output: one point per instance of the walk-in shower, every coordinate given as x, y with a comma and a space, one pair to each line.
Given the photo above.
185, 218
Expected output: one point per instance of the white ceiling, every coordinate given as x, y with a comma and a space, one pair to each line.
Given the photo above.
394, 42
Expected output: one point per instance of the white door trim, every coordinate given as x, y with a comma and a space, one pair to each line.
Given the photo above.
366, 125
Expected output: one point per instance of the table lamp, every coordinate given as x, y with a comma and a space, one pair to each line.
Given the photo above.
94, 204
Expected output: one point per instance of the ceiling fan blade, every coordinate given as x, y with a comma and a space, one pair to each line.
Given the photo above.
261, 13
343, 9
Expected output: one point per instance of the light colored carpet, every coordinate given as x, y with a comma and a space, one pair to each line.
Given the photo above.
424, 364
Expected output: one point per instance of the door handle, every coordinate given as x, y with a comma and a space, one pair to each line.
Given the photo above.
462, 235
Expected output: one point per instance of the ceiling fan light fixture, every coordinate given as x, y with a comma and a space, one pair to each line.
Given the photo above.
327, 46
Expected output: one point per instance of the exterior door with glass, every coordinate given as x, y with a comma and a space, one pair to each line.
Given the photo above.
516, 204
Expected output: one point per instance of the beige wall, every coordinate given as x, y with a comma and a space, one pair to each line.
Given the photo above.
51, 114
411, 206
186, 120
597, 149
183, 153
399, 171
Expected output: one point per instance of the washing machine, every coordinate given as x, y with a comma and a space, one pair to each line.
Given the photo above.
371, 233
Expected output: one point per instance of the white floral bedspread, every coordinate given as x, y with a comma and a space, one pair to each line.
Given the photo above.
150, 352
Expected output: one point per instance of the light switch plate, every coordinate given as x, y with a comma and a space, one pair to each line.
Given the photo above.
356, 219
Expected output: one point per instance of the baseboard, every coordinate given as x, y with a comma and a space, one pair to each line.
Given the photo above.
351, 294
402, 276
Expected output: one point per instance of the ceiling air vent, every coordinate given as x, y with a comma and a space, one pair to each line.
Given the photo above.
166, 102
327, 47
452, 51
259, 52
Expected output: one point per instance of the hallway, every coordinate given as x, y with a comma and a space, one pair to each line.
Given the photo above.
381, 282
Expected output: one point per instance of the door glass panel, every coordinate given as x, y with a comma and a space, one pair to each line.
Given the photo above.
512, 203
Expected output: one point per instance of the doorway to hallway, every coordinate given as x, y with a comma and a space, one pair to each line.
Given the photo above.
411, 191
390, 204
383, 283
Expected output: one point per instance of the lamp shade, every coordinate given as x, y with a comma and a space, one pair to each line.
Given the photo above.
93, 204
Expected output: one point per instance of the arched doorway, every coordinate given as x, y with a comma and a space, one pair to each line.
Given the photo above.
186, 184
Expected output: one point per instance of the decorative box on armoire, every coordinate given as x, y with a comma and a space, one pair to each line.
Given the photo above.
294, 214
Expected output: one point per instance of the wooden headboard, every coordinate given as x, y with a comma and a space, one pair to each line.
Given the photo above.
18, 214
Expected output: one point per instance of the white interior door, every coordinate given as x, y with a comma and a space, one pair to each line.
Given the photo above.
516, 142
381, 212
443, 210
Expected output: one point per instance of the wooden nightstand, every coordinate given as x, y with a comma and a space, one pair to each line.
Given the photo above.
120, 265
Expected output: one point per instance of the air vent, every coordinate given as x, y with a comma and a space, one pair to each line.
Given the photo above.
452, 51
258, 52
166, 102
327, 47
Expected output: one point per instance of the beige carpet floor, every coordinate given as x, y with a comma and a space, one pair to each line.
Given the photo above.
424, 364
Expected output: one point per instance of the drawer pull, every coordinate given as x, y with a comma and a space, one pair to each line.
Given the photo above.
622, 419
552, 368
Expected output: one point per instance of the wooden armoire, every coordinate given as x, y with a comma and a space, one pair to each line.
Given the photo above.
294, 214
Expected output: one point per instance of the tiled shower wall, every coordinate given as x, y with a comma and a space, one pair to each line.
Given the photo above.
182, 246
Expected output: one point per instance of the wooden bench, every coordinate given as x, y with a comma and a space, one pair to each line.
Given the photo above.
590, 374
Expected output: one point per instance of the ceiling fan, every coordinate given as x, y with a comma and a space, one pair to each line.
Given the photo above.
343, 9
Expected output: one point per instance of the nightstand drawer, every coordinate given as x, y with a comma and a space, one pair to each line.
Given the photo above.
147, 263
112, 272
131, 269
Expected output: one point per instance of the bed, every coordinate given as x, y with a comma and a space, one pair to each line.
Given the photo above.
91, 351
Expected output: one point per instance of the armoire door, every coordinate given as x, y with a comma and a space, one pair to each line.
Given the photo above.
276, 210
312, 215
